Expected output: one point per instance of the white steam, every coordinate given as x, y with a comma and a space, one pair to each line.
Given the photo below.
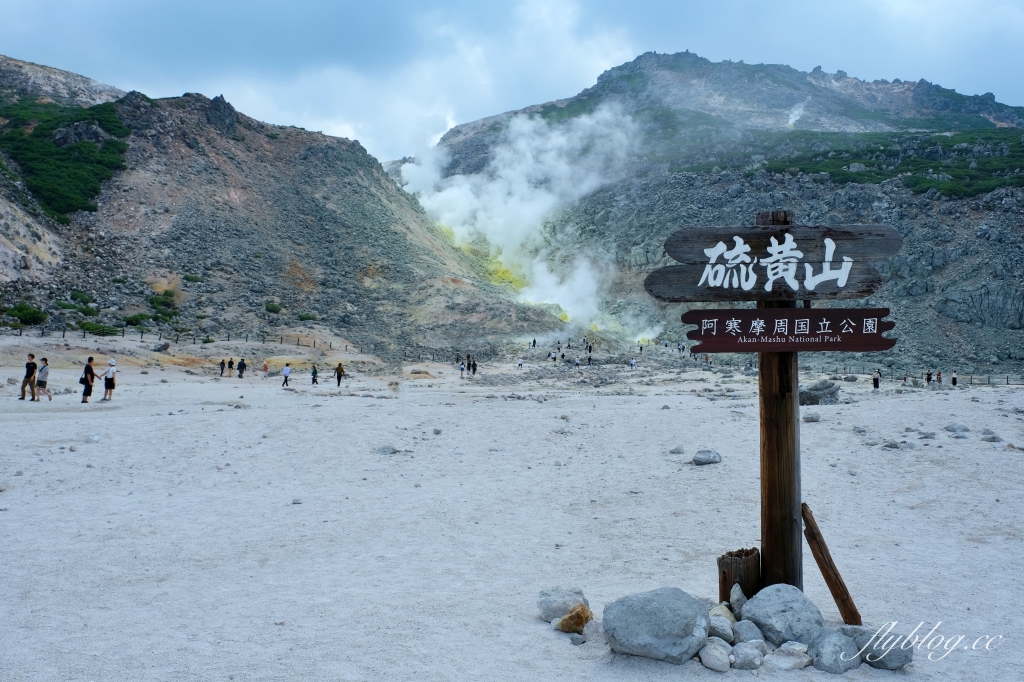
536, 170
796, 112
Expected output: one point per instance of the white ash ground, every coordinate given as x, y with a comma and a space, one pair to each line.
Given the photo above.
172, 547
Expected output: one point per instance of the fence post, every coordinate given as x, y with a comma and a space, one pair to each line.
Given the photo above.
20, 331
64, 333
83, 333
314, 343
282, 340
247, 338
297, 339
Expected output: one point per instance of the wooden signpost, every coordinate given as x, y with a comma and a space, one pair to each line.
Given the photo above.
777, 264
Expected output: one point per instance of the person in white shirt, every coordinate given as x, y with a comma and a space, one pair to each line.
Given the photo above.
43, 376
286, 372
520, 363
109, 380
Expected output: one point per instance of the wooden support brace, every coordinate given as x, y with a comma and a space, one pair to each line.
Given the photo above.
847, 609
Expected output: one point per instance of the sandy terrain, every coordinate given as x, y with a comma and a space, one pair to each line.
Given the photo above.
171, 546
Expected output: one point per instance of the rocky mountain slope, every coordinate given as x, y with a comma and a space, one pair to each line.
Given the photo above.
721, 141
213, 222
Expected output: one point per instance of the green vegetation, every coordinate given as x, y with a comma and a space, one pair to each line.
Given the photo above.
202, 316
27, 314
80, 296
164, 306
99, 329
193, 278
272, 136
137, 320
83, 309
119, 280
305, 317
62, 179
273, 307
207, 340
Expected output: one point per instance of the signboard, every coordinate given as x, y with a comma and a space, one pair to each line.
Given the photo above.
777, 330
773, 263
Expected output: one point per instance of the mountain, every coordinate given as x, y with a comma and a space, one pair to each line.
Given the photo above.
185, 214
717, 142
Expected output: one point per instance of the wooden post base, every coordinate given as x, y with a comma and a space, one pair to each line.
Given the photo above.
741, 566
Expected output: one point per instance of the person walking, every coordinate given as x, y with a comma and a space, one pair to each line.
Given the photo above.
876, 378
928, 378
30, 377
315, 372
474, 368
42, 377
535, 343
339, 372
954, 377
520, 364
231, 366
109, 381
222, 366
286, 372
241, 368
266, 368
462, 370
577, 362
632, 363
938, 378
588, 360
88, 377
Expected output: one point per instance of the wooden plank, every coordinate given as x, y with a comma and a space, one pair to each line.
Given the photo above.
683, 283
742, 567
781, 544
860, 242
789, 329
836, 585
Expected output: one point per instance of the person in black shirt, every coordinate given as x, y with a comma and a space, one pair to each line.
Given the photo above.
30, 377
231, 366
241, 368
222, 365
88, 376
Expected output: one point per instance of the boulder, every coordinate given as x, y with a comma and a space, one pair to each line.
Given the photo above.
737, 599
576, 619
822, 392
161, 347
787, 659
706, 457
721, 627
833, 652
956, 428
782, 612
746, 656
812, 417
558, 601
746, 631
666, 624
715, 655
872, 649
677, 450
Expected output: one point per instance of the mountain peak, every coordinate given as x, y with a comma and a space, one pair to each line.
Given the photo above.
63, 87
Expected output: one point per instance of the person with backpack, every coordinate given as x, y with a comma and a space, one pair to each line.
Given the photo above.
87, 378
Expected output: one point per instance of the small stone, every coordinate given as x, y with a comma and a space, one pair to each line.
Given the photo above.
746, 631
89, 466
891, 444
73, 449
437, 432
665, 407
833, 652
719, 626
296, 501
19, 473
163, 381
706, 457
576, 619
956, 427
796, 646
992, 438
593, 631
812, 417
715, 655
722, 610
576, 638
558, 601
677, 450
859, 429
387, 450
746, 656
737, 599
93, 439
787, 659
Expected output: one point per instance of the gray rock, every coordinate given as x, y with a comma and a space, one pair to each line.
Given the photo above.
161, 347
665, 407
593, 631
812, 417
736, 600
872, 649
576, 638
387, 450
833, 652
666, 624
746, 656
782, 612
796, 646
437, 432
822, 392
787, 659
956, 428
706, 457
558, 601
721, 627
850, 377
746, 631
992, 438
715, 655
677, 450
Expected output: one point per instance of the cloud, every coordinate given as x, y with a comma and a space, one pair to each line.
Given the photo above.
536, 169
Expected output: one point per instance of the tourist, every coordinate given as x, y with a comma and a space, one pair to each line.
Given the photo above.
231, 366
938, 378
928, 378
632, 363
577, 362
266, 368
462, 370
315, 383
286, 372
474, 368
30, 377
954, 377
222, 366
42, 377
339, 372
520, 363
241, 368
88, 377
876, 378
108, 381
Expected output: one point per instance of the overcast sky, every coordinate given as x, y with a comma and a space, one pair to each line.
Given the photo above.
395, 74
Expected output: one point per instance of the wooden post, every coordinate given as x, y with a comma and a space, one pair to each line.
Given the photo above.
779, 388
741, 566
847, 609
